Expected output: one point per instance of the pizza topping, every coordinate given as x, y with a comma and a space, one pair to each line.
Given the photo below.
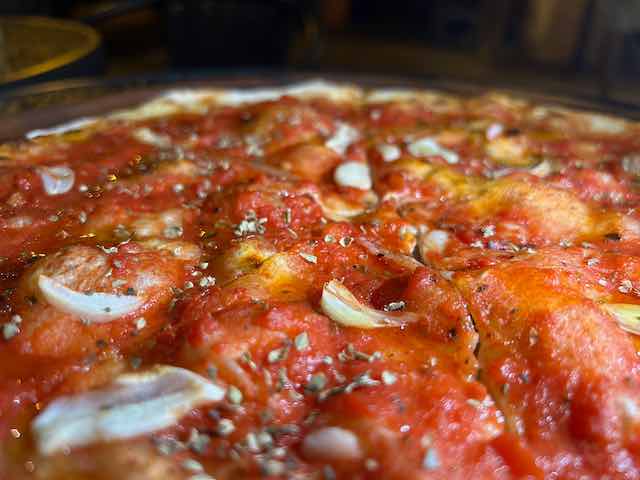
630, 410
254, 146
251, 314
234, 395
207, 281
542, 169
431, 461
494, 130
631, 163
192, 465
428, 147
343, 137
12, 328
250, 224
166, 224
353, 174
341, 306
225, 427
351, 353
135, 404
278, 354
146, 135
140, 323
309, 257
332, 444
389, 152
511, 151
405, 261
345, 241
56, 180
394, 306
625, 286
89, 306
627, 315
335, 207
389, 378
302, 341
488, 231
181, 250
433, 241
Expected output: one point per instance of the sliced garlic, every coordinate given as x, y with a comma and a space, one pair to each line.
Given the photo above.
332, 444
135, 404
146, 135
92, 307
389, 152
510, 151
428, 147
341, 306
494, 131
542, 169
344, 136
56, 180
631, 163
626, 314
353, 174
167, 223
405, 261
629, 408
335, 207
433, 241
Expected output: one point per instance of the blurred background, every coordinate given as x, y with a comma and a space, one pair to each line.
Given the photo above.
589, 48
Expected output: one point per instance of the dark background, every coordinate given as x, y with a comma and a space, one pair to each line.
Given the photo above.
585, 47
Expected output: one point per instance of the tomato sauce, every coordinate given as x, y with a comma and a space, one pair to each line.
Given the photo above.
500, 358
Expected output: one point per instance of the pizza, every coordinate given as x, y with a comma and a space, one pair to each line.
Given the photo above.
321, 281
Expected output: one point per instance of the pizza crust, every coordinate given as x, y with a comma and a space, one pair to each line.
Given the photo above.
582, 121
199, 101
438, 101
72, 126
